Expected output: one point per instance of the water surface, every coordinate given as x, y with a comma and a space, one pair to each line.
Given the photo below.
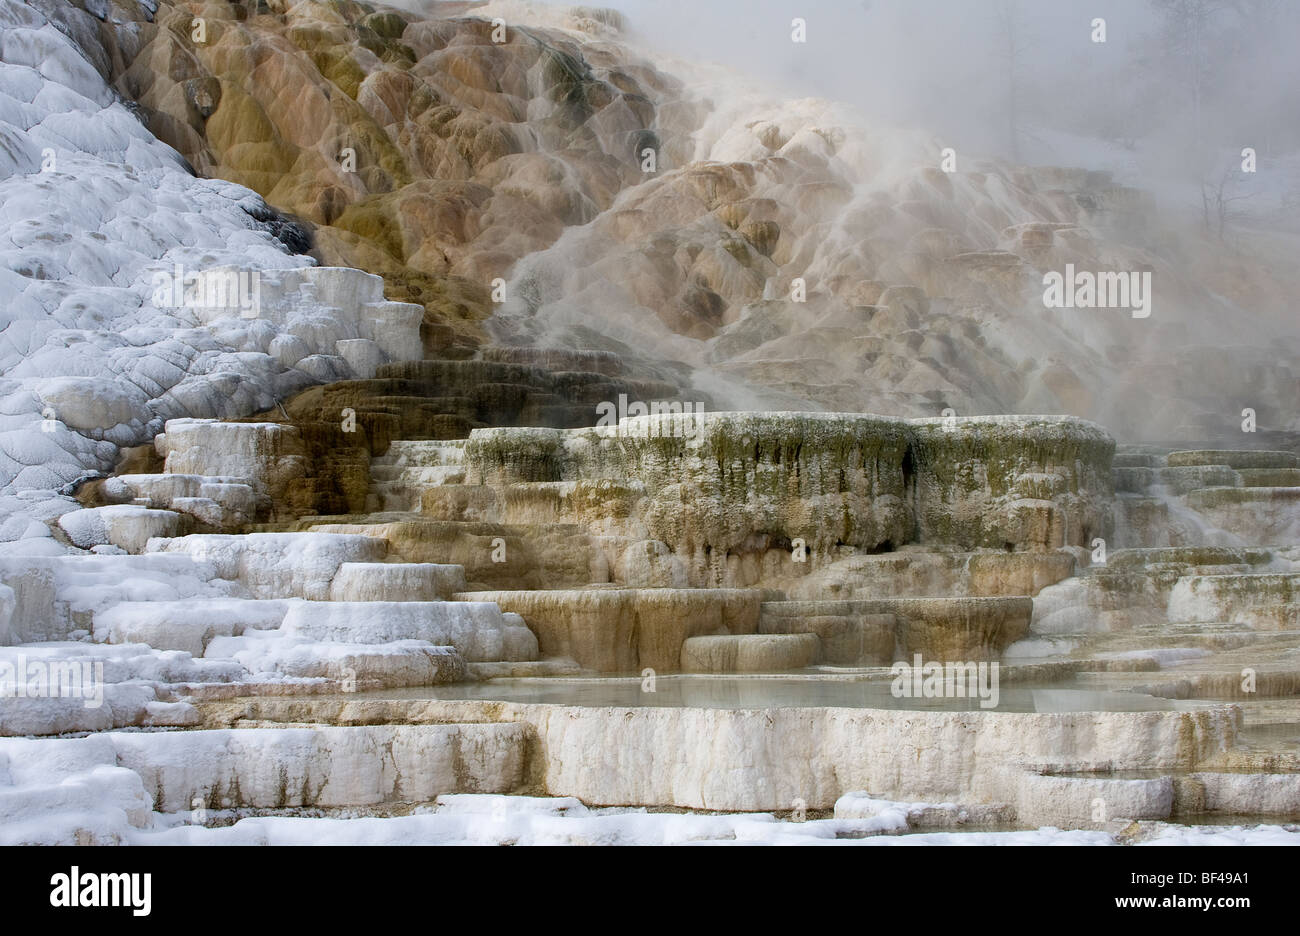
736, 692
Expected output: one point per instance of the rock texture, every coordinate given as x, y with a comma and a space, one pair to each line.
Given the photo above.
417, 147
790, 257
722, 481
111, 248
625, 630
491, 469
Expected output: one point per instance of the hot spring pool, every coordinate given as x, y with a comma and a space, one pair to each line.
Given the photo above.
757, 692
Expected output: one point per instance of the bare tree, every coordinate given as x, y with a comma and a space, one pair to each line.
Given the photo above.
1188, 33
1216, 204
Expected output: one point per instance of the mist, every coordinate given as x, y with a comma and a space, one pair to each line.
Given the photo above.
1154, 102
855, 206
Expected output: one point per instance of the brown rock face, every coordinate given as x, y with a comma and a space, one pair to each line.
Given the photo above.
435, 152
548, 188
342, 425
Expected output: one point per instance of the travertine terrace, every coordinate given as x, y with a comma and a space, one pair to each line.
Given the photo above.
524, 487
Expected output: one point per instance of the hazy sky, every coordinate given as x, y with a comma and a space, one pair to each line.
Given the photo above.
932, 63
940, 65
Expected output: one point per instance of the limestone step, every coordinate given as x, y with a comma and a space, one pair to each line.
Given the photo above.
95, 687
531, 503
524, 669
218, 501
1235, 458
1175, 480
918, 573
493, 555
1258, 515
479, 630
406, 453
1134, 586
960, 628
1113, 586
1194, 557
1265, 744
126, 527
57, 597
1217, 516
749, 653
505, 394
323, 765
1167, 638
186, 625
446, 398
1139, 459
1141, 521
1270, 477
463, 374
557, 359
417, 475
1210, 497
396, 581
846, 639
407, 467
1043, 797
1262, 600
350, 666
1133, 479
1229, 678
1157, 795
406, 492
625, 630
277, 565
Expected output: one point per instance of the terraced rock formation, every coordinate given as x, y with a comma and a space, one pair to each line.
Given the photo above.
418, 149
787, 256
523, 563
379, 546
372, 601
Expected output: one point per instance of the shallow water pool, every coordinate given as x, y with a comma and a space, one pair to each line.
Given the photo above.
779, 692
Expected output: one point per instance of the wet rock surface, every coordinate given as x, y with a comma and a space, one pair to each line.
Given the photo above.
379, 546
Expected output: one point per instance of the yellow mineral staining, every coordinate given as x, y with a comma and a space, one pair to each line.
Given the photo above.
420, 149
